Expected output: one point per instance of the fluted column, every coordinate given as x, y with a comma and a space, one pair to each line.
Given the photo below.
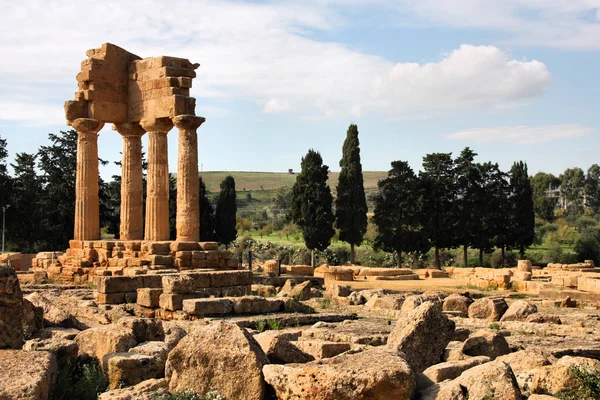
87, 204
188, 209
157, 191
132, 223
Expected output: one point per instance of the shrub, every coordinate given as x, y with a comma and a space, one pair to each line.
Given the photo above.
587, 246
584, 223
510, 259
554, 253
190, 395
83, 380
587, 384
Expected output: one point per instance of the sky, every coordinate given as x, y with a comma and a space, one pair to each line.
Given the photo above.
512, 79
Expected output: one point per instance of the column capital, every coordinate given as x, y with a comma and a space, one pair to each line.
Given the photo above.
87, 125
188, 122
163, 125
129, 129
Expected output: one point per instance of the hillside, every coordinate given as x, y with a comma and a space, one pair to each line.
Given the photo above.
252, 181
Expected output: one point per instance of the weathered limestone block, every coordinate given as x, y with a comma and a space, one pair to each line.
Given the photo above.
26, 374
129, 368
144, 329
412, 335
321, 349
457, 302
149, 297
147, 390
490, 308
271, 268
116, 298
64, 350
524, 364
255, 305
374, 374
116, 284
218, 347
279, 348
230, 278
553, 378
33, 319
386, 302
98, 342
300, 270
205, 307
177, 284
264, 290
335, 290
544, 319
487, 343
159, 351
11, 310
519, 311
299, 292
447, 370
170, 302
492, 380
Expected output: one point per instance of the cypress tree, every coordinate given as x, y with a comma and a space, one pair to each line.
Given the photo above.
469, 195
311, 203
398, 213
438, 183
522, 200
207, 215
226, 212
351, 202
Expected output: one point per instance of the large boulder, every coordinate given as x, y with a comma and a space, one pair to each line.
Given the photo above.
159, 351
485, 342
151, 389
33, 319
519, 311
26, 374
11, 310
489, 381
422, 335
54, 316
279, 349
557, 377
130, 369
490, 308
374, 374
524, 363
221, 356
457, 303
98, 342
144, 329
447, 370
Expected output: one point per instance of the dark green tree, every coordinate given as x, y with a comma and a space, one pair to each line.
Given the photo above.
24, 211
468, 205
311, 203
592, 188
502, 216
572, 189
544, 203
522, 198
110, 205
438, 183
57, 163
351, 203
5, 181
172, 206
207, 215
225, 215
398, 213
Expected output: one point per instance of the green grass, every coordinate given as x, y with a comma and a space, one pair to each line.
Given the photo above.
257, 181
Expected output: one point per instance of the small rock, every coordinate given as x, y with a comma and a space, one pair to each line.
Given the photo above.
457, 302
490, 308
147, 390
487, 343
518, 311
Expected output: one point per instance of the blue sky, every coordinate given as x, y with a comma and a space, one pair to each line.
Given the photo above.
512, 79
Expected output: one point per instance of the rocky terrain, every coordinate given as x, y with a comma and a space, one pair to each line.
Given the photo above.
60, 343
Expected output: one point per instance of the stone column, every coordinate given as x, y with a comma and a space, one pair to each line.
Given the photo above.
87, 204
188, 209
132, 223
157, 192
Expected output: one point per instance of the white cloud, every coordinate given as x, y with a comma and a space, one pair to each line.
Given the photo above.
259, 53
567, 24
521, 134
276, 106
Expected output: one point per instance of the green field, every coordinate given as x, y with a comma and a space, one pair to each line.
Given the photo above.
252, 181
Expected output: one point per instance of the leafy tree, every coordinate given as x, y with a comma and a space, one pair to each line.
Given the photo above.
523, 227
543, 204
351, 203
469, 201
207, 215
57, 163
572, 189
438, 183
592, 188
26, 195
491, 209
311, 203
398, 213
5, 181
587, 247
226, 212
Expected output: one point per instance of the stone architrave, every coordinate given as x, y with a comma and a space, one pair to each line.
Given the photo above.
188, 208
157, 194
87, 204
132, 224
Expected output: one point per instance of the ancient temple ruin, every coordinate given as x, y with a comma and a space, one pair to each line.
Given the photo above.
137, 96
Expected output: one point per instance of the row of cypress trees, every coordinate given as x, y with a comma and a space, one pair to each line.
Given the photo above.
451, 203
